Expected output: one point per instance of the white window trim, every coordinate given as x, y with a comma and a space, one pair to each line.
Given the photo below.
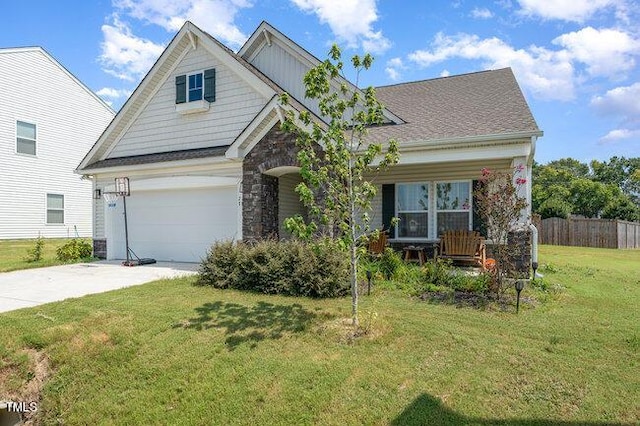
428, 184
435, 203
46, 210
35, 141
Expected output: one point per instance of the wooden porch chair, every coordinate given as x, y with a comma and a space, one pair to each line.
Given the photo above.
377, 246
461, 246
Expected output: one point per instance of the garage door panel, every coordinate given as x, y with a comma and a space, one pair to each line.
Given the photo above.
176, 225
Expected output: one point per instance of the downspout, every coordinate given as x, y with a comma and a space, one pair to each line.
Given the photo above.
532, 227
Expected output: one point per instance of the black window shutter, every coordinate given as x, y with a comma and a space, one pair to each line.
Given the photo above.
210, 85
477, 219
181, 89
388, 207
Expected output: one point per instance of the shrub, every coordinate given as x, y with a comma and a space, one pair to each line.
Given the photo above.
439, 273
314, 269
74, 249
391, 263
35, 253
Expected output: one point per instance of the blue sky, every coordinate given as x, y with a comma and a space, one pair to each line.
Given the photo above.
577, 61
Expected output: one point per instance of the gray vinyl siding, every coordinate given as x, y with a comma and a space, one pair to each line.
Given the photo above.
159, 128
69, 119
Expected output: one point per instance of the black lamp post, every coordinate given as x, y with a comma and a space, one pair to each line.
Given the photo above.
519, 287
534, 266
369, 282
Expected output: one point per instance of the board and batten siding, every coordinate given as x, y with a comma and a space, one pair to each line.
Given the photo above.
159, 128
69, 119
285, 70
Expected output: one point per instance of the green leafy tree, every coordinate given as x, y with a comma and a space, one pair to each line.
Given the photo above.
337, 162
621, 172
589, 198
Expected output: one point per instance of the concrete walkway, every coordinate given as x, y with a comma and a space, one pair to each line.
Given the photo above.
32, 287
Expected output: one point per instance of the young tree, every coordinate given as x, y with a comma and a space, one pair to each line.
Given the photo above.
500, 205
337, 163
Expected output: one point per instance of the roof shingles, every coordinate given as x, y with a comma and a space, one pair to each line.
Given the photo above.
468, 105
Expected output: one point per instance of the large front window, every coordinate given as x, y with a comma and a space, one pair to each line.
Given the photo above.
412, 208
453, 206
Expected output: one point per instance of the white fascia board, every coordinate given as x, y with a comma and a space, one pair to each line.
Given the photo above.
452, 142
238, 148
487, 152
165, 165
227, 59
127, 113
178, 182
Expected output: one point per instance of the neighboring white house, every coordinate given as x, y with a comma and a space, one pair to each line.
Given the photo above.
200, 142
48, 121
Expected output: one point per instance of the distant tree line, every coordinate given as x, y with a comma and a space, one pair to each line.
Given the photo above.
607, 189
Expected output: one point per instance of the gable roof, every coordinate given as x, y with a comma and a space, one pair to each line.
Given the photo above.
267, 34
469, 106
188, 36
41, 50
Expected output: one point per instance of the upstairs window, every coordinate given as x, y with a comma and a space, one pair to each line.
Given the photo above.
25, 138
55, 209
194, 87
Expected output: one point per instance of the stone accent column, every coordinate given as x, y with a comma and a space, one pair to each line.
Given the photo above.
519, 243
100, 248
260, 190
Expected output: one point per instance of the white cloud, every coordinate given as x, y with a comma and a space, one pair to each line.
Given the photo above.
350, 20
445, 73
125, 55
481, 13
111, 93
621, 101
567, 10
547, 74
394, 68
619, 134
606, 52
214, 16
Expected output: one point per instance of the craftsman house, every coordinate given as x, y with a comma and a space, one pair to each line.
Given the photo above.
200, 142
48, 121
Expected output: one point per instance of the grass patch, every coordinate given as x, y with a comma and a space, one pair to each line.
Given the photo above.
170, 352
14, 254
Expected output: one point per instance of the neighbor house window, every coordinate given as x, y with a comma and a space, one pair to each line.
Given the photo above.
25, 138
55, 208
453, 206
196, 86
412, 210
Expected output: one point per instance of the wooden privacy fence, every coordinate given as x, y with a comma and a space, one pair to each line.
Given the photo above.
582, 232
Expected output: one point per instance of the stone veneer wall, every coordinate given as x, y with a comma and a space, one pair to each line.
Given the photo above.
100, 248
259, 190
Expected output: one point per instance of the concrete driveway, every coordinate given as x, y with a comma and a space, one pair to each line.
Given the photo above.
32, 287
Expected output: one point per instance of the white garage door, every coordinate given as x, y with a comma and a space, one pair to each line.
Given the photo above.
173, 225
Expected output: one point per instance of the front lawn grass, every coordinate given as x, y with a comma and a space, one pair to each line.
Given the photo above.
172, 353
14, 253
